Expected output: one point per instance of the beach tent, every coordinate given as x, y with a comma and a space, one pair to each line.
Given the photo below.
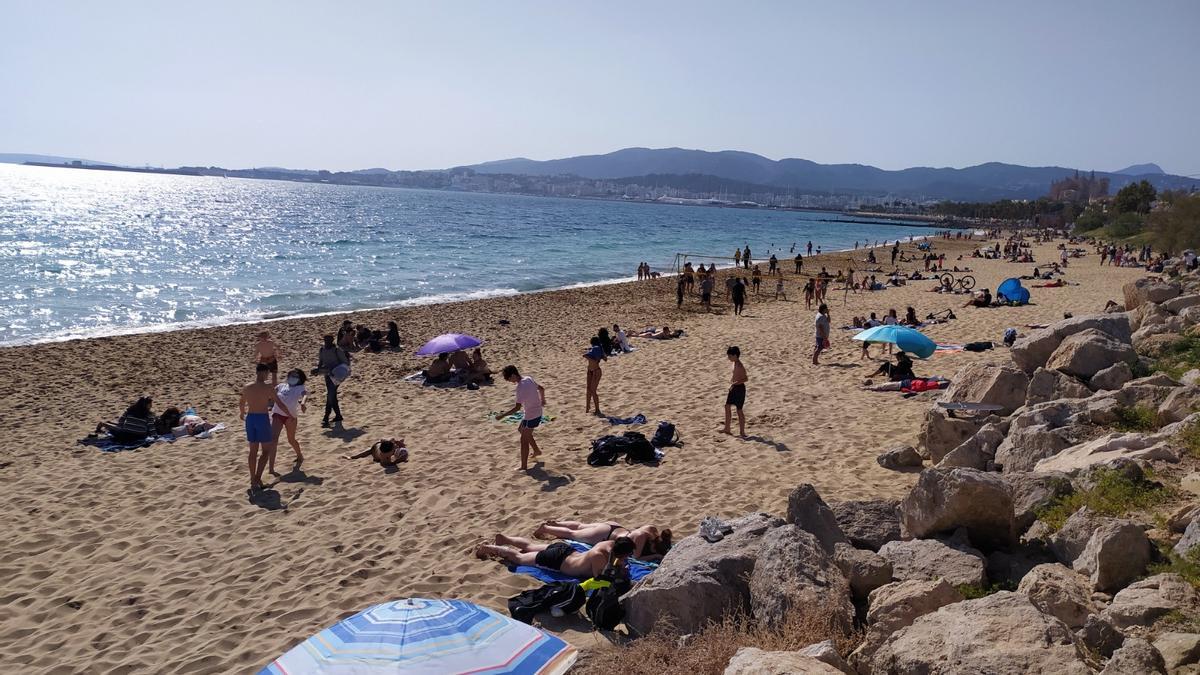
449, 342
1013, 291
427, 637
907, 339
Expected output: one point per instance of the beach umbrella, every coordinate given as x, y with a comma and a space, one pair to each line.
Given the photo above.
422, 636
1013, 291
907, 339
450, 342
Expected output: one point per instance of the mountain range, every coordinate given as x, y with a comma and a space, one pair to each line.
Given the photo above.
984, 182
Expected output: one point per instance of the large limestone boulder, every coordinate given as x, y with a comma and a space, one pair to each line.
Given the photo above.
1010, 567
810, 513
931, 559
1135, 657
1100, 636
1190, 539
940, 433
1149, 289
754, 661
900, 458
1051, 385
1001, 633
1180, 403
864, 570
896, 606
870, 523
697, 581
1178, 304
1145, 339
977, 452
1112, 377
827, 653
1073, 536
1004, 386
1088, 352
944, 501
1178, 649
1116, 554
1059, 592
1112, 447
1032, 492
1038, 432
1143, 602
1157, 345
1033, 351
794, 573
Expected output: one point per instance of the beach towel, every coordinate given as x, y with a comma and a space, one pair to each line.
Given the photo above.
516, 418
638, 569
106, 443
419, 378
948, 348
636, 419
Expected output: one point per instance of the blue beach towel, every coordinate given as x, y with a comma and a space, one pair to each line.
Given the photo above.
636, 419
638, 569
107, 444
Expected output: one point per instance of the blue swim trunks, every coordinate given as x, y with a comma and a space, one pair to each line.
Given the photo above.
258, 428
533, 423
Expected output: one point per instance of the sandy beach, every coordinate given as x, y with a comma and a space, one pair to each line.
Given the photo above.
157, 560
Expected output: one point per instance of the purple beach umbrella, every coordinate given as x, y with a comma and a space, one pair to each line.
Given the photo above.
450, 342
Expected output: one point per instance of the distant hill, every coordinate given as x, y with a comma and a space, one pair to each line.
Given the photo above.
983, 182
1141, 170
18, 158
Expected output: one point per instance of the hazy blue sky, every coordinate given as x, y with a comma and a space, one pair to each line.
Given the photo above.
1087, 83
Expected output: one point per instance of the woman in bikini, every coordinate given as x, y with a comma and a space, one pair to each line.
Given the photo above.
650, 544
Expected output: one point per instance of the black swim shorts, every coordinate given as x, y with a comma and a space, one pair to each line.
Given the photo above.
552, 556
737, 396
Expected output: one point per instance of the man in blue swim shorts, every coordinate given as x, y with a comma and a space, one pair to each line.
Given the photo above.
531, 398
255, 405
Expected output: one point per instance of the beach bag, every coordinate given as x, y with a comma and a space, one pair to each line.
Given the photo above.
604, 608
340, 373
637, 448
604, 451
665, 435
564, 596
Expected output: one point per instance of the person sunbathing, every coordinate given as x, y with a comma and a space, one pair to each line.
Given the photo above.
900, 370
388, 452
983, 299
665, 334
137, 424
559, 556
649, 543
439, 370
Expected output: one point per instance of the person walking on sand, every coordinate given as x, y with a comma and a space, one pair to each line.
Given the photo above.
799, 263
808, 252
531, 398
256, 400
593, 357
821, 333
706, 289
736, 398
289, 403
267, 352
746, 257
737, 293
330, 357
737, 257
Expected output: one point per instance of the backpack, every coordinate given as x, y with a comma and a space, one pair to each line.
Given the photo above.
665, 435
604, 451
637, 448
604, 608
565, 596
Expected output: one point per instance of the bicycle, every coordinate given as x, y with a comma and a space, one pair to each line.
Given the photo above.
965, 282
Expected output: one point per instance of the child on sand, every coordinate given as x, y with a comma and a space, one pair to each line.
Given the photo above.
736, 398
267, 353
531, 398
257, 398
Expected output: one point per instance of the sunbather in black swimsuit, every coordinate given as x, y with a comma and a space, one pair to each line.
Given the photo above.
553, 556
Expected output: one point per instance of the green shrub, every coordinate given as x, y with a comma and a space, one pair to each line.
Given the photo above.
1189, 440
1186, 566
1136, 418
1179, 357
974, 591
1114, 494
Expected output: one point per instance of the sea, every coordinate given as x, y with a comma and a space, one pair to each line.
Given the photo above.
87, 253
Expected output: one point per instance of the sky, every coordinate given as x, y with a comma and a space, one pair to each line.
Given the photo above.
1091, 84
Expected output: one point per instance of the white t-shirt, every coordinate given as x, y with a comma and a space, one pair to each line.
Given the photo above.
821, 323
889, 320
290, 397
623, 341
529, 398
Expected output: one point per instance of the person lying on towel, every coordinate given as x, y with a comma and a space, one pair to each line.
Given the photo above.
559, 556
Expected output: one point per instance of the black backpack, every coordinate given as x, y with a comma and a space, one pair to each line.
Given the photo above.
665, 435
565, 595
604, 608
638, 449
605, 451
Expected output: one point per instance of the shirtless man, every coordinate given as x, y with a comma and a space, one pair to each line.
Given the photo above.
593, 357
650, 544
559, 556
460, 361
257, 398
736, 397
267, 352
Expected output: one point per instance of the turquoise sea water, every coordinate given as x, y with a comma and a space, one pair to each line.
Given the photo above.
85, 253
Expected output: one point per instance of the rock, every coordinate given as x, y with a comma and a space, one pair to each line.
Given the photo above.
1135, 657
1180, 403
810, 513
1149, 289
944, 501
1037, 532
1032, 492
864, 570
1191, 483
1155, 380
1182, 302
1059, 592
899, 458
1144, 339
991, 384
1178, 649
826, 653
941, 433
1072, 538
1000, 633
1033, 351
1190, 539
1038, 432
754, 661
1008, 568
1191, 377
930, 559
1050, 385
1100, 636
698, 582
869, 524
1142, 602
977, 452
897, 605
1157, 345
1106, 449
794, 572
1116, 554
1112, 377
1127, 469
1087, 352
1182, 517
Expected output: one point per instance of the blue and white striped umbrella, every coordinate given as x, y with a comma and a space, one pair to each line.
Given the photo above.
427, 636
